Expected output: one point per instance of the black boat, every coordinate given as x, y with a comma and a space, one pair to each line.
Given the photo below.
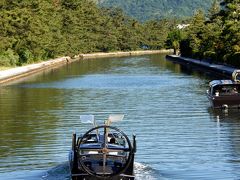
103, 152
225, 93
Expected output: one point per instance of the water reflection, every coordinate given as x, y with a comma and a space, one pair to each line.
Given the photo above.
229, 115
27, 120
229, 119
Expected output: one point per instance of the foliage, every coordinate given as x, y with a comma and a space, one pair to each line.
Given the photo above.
174, 38
156, 33
28, 28
37, 30
216, 36
157, 9
8, 58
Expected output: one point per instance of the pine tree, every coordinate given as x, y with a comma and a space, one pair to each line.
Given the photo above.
195, 33
231, 32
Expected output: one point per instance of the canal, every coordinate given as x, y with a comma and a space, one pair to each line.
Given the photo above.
178, 135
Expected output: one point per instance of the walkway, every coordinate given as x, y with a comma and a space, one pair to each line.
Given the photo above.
219, 69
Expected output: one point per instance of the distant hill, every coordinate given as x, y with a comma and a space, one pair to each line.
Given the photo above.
155, 9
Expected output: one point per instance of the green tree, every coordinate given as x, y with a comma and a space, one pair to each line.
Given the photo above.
174, 38
156, 33
195, 33
231, 31
214, 10
157, 9
37, 30
217, 37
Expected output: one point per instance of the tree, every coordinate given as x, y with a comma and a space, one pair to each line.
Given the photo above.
37, 30
195, 33
156, 33
217, 37
157, 9
214, 10
231, 31
174, 38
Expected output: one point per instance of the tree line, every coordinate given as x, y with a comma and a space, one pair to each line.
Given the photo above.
31, 31
214, 36
144, 10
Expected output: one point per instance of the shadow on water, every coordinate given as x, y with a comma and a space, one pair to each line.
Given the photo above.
183, 69
142, 172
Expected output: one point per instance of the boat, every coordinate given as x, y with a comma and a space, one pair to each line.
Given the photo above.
225, 94
103, 152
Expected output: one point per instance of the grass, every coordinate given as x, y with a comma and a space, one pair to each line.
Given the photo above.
4, 68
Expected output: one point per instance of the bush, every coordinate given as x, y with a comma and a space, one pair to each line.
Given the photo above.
185, 48
8, 58
210, 55
234, 59
24, 56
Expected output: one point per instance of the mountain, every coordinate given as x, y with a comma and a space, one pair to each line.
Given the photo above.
156, 9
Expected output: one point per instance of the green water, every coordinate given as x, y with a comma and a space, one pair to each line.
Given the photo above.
178, 135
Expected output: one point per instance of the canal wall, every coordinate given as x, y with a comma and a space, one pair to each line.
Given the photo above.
19, 72
123, 54
219, 69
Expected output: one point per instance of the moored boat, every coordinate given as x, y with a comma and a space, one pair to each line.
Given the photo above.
225, 93
103, 152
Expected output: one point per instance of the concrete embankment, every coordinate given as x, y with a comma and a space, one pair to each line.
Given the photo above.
219, 69
122, 54
19, 72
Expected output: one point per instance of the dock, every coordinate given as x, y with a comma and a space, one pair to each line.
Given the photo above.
203, 65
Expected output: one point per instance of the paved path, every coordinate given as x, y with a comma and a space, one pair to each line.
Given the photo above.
221, 69
14, 73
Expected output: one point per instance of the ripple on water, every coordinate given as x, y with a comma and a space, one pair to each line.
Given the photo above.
142, 172
178, 137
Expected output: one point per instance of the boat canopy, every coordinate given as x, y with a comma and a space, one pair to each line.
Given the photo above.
222, 82
235, 80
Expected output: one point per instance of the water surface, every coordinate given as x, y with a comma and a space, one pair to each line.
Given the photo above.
178, 135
